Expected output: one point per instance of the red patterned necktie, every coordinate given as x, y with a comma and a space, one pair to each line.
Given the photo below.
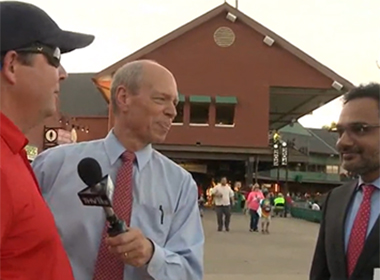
359, 229
109, 267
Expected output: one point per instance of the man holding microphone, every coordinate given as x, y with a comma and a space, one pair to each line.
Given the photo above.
30, 74
156, 198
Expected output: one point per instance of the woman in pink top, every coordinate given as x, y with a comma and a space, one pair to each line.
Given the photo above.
253, 204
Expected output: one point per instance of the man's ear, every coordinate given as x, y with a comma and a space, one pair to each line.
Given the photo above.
123, 98
9, 66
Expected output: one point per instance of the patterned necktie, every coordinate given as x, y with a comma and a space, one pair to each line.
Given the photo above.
359, 229
109, 267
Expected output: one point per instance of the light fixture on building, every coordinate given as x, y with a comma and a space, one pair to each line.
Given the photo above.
292, 122
337, 85
268, 40
231, 17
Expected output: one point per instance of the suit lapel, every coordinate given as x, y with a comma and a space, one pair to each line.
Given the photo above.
346, 196
371, 246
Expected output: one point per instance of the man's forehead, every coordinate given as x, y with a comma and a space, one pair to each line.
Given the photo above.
360, 110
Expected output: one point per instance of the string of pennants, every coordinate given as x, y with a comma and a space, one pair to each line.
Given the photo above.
72, 123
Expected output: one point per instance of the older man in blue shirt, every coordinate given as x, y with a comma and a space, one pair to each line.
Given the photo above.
165, 239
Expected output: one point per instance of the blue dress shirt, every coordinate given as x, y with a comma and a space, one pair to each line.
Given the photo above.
164, 208
354, 208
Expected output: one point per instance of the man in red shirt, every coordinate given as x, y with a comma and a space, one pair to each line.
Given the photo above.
30, 73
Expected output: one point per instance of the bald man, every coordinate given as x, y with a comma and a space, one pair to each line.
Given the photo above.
165, 235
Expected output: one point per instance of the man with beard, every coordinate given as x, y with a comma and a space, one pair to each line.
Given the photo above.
348, 241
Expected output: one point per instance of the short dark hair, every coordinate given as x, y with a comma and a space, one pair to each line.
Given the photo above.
371, 90
24, 58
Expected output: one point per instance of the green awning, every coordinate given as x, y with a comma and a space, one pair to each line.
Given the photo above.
181, 97
200, 99
226, 100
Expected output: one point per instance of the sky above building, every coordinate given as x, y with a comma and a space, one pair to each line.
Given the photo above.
343, 35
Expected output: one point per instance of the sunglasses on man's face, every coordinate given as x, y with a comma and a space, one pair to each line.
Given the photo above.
354, 129
53, 55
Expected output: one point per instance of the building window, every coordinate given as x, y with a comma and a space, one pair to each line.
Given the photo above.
225, 115
225, 110
332, 169
179, 118
199, 113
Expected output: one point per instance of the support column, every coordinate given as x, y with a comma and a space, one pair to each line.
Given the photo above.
286, 186
249, 170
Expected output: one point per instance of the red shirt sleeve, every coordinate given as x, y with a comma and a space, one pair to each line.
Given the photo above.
6, 211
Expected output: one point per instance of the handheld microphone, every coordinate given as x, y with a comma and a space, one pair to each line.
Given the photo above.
99, 193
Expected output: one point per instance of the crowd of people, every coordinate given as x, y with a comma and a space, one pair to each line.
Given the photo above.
259, 203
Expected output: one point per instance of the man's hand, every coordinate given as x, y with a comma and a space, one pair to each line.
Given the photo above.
132, 247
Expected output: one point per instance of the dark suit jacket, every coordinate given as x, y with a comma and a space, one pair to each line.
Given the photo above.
329, 261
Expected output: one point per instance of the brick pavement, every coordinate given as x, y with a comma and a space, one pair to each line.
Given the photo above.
283, 254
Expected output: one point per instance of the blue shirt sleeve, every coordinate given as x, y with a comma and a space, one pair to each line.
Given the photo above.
46, 167
182, 257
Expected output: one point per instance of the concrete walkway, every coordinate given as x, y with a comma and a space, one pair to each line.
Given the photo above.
284, 254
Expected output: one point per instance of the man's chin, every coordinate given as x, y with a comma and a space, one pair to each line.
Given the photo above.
350, 167
355, 168
158, 139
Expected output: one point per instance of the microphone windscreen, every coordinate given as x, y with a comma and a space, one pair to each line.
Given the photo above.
89, 171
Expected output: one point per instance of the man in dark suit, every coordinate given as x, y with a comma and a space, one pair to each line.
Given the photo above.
348, 241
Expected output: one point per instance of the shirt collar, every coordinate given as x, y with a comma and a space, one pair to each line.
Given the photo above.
375, 183
12, 135
114, 149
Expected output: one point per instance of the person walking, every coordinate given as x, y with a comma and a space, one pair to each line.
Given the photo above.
223, 198
253, 205
266, 210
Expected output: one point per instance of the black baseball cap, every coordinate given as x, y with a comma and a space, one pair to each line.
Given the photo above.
23, 24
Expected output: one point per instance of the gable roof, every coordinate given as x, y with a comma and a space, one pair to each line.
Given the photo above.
295, 128
224, 8
80, 97
315, 140
327, 137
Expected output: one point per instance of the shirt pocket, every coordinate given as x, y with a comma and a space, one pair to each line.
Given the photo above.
154, 220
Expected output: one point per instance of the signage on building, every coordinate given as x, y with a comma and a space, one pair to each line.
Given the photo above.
66, 137
50, 137
280, 154
191, 167
54, 136
276, 155
31, 152
284, 154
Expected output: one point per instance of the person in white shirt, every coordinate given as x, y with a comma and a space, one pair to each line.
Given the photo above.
223, 197
315, 206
